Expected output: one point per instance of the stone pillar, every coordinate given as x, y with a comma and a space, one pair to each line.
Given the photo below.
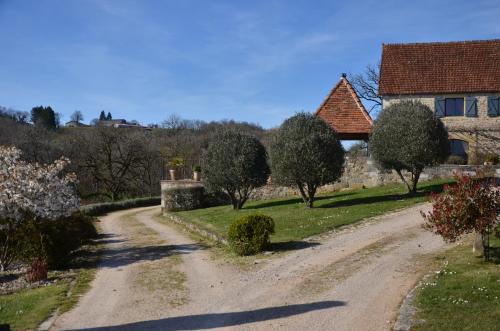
185, 194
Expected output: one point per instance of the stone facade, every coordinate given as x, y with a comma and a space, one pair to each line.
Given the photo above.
482, 133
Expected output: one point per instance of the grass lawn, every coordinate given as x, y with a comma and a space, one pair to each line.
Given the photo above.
465, 295
295, 222
26, 309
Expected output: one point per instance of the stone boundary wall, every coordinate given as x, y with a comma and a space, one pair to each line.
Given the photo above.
361, 171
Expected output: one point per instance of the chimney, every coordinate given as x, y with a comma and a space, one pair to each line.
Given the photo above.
344, 75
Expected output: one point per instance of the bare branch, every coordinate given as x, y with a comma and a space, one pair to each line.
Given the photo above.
366, 86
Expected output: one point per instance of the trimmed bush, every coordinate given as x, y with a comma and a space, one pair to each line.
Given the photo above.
98, 209
249, 234
306, 154
407, 136
236, 164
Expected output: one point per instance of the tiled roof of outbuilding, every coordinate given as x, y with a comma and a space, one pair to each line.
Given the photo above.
343, 110
441, 67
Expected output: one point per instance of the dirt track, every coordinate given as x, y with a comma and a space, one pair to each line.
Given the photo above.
154, 277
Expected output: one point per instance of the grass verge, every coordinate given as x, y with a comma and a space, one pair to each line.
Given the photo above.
465, 295
295, 222
26, 309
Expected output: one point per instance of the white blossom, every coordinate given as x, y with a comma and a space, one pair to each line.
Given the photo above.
31, 187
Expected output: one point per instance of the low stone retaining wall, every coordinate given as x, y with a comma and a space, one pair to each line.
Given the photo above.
195, 228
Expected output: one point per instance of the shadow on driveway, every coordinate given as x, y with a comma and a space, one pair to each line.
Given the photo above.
220, 320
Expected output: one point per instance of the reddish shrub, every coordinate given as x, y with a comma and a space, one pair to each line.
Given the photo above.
468, 206
37, 271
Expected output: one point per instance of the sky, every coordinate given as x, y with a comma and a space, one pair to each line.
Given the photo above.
254, 61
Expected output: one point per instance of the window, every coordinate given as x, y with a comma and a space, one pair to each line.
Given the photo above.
493, 106
454, 107
459, 147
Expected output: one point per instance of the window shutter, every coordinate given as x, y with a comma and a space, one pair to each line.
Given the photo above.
439, 106
471, 107
493, 106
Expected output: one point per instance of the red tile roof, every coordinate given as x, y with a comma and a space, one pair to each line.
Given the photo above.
343, 110
438, 68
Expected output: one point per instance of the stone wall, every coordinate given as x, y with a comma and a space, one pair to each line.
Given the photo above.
179, 195
360, 171
482, 133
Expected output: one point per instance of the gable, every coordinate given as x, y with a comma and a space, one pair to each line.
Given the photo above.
345, 113
439, 68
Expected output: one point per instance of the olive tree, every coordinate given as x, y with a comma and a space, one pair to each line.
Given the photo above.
407, 136
235, 163
306, 153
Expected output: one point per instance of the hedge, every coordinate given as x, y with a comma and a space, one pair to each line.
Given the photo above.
98, 209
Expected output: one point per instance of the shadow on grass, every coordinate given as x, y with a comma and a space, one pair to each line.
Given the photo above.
384, 198
291, 245
221, 320
494, 255
294, 201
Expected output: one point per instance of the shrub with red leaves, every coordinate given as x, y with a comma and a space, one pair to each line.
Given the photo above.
37, 271
468, 206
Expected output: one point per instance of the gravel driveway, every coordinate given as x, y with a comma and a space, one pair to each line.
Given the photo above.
154, 277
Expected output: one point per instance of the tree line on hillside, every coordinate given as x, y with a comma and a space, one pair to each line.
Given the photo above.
111, 163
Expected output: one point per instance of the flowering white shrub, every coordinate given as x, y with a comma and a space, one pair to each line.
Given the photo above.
41, 190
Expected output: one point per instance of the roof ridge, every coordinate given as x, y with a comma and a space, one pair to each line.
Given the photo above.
443, 42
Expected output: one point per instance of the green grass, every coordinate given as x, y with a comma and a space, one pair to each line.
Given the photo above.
26, 309
295, 222
463, 296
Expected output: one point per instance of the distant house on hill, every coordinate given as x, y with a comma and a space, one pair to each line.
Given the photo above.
111, 123
75, 124
459, 81
120, 123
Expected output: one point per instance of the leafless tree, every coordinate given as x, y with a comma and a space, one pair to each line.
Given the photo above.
366, 86
77, 116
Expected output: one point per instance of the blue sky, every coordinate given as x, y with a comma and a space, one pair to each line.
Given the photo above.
256, 61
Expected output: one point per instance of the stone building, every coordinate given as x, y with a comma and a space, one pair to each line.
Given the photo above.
459, 81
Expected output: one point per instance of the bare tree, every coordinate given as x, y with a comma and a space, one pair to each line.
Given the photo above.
366, 86
77, 116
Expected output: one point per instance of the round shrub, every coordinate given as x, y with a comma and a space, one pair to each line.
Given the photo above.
236, 164
250, 234
408, 136
306, 153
